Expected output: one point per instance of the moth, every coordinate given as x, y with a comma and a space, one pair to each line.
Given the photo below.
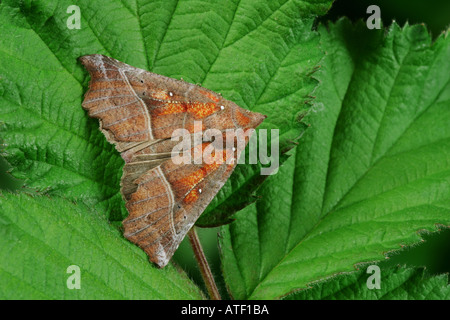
138, 112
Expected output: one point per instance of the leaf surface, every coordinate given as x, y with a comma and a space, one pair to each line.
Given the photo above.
372, 171
395, 284
42, 237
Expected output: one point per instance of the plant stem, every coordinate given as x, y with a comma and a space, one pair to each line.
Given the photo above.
203, 264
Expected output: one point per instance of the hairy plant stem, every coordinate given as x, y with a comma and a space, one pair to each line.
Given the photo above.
203, 264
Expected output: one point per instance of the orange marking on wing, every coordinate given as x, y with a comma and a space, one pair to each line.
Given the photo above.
190, 181
241, 118
191, 196
197, 176
198, 110
170, 108
202, 110
218, 156
209, 95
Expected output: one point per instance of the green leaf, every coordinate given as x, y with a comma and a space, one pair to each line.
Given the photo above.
371, 172
395, 284
42, 237
257, 53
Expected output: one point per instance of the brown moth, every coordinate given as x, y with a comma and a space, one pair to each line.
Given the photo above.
138, 112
